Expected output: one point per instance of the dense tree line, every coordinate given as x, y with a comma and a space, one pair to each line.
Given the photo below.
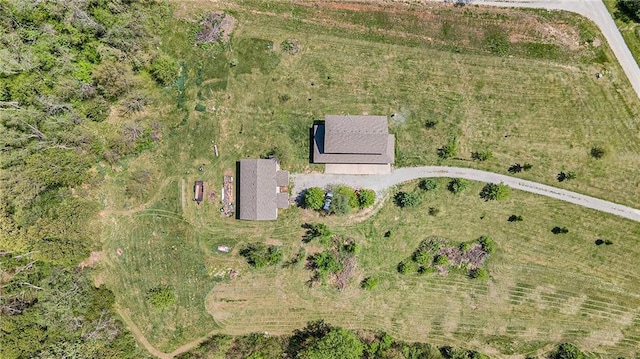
319, 340
64, 66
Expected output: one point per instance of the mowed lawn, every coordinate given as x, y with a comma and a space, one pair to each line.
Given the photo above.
537, 103
542, 288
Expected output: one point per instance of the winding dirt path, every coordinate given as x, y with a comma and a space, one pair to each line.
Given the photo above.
128, 212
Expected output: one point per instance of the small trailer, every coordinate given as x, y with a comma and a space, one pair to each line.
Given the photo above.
198, 192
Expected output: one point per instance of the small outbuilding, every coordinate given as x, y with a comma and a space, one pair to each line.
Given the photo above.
263, 188
198, 191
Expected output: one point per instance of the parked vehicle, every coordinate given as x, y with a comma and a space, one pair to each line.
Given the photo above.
327, 201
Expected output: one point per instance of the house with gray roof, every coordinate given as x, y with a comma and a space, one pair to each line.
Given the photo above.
354, 144
263, 188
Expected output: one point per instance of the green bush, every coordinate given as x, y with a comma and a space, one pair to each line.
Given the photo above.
494, 192
317, 230
515, 218
428, 184
597, 152
161, 297
407, 199
567, 351
325, 263
496, 40
449, 150
482, 155
259, 255
441, 260
340, 204
433, 211
464, 247
487, 243
423, 257
457, 185
164, 70
314, 198
349, 193
351, 248
200, 108
479, 273
369, 283
407, 266
366, 198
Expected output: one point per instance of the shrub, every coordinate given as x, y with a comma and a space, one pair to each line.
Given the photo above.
559, 230
113, 78
430, 124
479, 273
487, 243
496, 40
407, 266
428, 184
161, 297
407, 199
597, 152
482, 155
258, 255
366, 198
314, 198
515, 218
340, 204
441, 260
351, 248
464, 247
317, 230
608, 242
369, 283
284, 98
494, 192
349, 193
325, 263
527, 166
97, 110
434, 211
164, 70
423, 257
515, 168
567, 351
449, 150
457, 185
565, 176
200, 107
387, 234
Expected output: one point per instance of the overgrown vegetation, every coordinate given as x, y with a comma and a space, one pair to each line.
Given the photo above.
436, 254
319, 340
64, 69
259, 255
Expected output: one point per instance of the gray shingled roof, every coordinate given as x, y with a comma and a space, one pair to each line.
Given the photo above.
258, 199
320, 155
356, 134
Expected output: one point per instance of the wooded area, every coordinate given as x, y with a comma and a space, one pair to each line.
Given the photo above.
64, 65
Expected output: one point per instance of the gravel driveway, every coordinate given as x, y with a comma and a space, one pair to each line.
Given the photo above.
379, 183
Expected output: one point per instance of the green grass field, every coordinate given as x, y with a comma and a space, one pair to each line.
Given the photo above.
538, 102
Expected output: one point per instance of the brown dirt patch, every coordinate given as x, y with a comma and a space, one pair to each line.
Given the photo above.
93, 259
217, 27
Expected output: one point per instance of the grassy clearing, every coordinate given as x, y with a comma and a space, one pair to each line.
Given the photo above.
420, 64
543, 287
